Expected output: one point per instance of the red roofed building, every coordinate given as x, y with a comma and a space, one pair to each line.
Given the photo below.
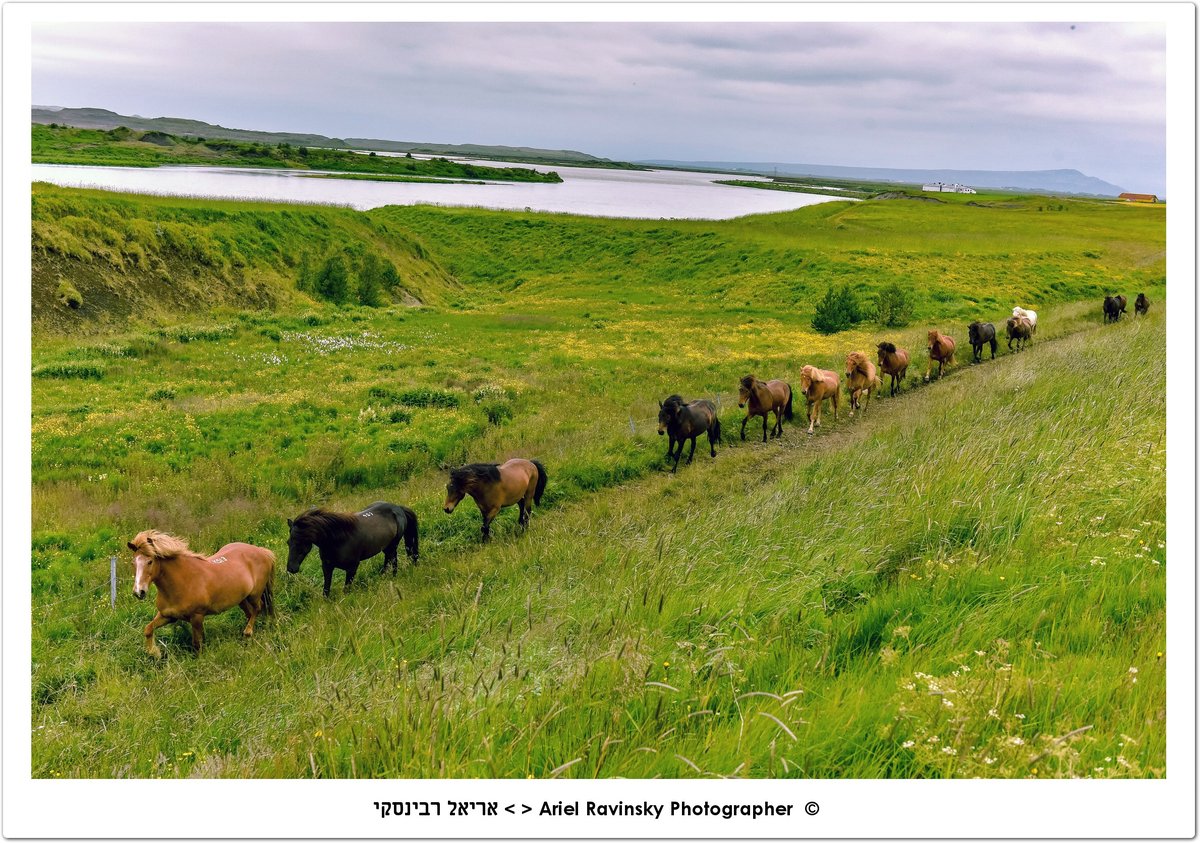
1138, 197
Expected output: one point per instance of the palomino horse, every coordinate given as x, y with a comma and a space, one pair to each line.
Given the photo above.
894, 363
1020, 330
860, 378
941, 349
1114, 306
344, 539
817, 385
191, 586
1142, 306
687, 421
763, 397
496, 486
1031, 315
980, 334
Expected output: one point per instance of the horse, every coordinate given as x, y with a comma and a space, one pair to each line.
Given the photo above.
345, 539
894, 363
1142, 306
941, 349
191, 586
1114, 306
860, 378
680, 422
979, 334
1031, 315
763, 397
817, 385
1020, 330
494, 487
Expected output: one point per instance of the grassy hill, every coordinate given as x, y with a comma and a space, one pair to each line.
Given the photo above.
805, 608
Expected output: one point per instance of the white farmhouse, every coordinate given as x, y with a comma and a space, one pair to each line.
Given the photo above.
942, 187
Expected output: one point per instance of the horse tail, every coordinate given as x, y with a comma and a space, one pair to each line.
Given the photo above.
541, 484
787, 411
410, 533
268, 592
716, 429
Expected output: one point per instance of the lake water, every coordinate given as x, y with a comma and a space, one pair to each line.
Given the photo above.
650, 194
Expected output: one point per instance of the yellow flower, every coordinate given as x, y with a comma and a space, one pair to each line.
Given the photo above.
319, 733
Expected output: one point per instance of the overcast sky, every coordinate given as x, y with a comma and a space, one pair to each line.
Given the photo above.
971, 96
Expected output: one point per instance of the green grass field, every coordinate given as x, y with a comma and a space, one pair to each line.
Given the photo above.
967, 581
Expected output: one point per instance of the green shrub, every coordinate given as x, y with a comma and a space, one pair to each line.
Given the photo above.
332, 282
837, 311
893, 307
68, 295
81, 371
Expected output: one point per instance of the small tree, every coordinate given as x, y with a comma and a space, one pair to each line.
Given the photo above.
893, 306
333, 280
370, 280
837, 311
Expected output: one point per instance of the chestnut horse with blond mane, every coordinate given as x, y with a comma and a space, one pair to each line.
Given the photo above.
894, 363
941, 350
860, 378
494, 487
817, 385
191, 586
763, 397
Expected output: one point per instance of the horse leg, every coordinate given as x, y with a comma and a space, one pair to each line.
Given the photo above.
351, 570
778, 422
692, 452
491, 514
744, 426
994, 344
522, 514
390, 554
811, 418
198, 631
252, 605
712, 442
764, 427
151, 647
327, 570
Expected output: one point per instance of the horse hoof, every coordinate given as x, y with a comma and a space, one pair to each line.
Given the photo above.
155, 653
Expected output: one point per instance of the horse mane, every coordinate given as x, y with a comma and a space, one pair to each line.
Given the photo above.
748, 381
161, 545
673, 399
481, 472
887, 347
860, 361
318, 524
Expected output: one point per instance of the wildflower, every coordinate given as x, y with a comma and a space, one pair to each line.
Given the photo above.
908, 744
319, 733
949, 750
980, 653
666, 664
1019, 716
947, 703
993, 713
987, 760
1016, 741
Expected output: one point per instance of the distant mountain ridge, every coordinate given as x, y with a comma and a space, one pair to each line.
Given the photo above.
101, 118
1050, 181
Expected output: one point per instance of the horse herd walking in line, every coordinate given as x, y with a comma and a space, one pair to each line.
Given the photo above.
190, 586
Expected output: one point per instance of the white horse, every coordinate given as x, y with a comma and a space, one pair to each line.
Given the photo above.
1031, 315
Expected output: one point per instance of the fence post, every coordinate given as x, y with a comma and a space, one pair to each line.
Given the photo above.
112, 580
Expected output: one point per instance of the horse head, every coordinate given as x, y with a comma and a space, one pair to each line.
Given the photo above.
150, 548
668, 412
299, 545
745, 389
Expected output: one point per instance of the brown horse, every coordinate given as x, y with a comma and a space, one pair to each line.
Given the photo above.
817, 385
1020, 329
496, 486
191, 586
681, 422
1142, 306
941, 349
763, 397
860, 378
894, 363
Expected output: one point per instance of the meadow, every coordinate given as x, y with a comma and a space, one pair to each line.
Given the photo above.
966, 581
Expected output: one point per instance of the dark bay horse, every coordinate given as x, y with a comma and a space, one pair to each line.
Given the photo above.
1019, 329
980, 334
941, 350
190, 586
894, 363
494, 487
680, 422
1114, 306
345, 539
1142, 306
763, 397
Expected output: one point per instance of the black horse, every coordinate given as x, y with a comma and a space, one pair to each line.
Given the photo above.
1114, 306
682, 421
344, 539
1142, 306
981, 333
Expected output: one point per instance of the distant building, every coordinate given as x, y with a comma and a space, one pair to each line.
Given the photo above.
942, 187
1138, 197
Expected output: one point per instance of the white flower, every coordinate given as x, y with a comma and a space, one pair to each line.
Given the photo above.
908, 744
947, 703
989, 760
949, 750
1019, 716
1016, 741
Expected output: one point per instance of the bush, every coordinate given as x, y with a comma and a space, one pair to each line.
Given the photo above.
332, 282
68, 295
82, 371
837, 311
893, 307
